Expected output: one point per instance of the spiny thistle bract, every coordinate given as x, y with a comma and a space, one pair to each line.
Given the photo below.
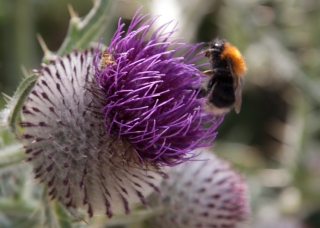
205, 193
98, 135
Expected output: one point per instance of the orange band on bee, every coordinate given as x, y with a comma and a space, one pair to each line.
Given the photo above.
238, 64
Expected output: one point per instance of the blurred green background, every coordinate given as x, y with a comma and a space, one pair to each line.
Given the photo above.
274, 141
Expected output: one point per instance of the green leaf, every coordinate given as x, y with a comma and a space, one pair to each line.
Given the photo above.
15, 105
82, 32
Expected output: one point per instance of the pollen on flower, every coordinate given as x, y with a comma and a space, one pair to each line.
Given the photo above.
99, 135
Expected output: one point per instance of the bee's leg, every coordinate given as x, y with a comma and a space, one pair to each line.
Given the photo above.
205, 52
209, 51
208, 73
202, 92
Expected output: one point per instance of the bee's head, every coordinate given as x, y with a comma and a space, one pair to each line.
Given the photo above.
217, 44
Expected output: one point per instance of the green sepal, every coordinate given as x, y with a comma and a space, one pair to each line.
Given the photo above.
17, 101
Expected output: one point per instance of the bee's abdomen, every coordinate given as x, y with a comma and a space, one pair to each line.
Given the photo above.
222, 95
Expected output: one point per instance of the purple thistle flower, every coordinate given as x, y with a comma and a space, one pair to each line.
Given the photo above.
98, 129
149, 95
204, 193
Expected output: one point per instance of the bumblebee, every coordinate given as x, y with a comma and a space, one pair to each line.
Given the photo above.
224, 87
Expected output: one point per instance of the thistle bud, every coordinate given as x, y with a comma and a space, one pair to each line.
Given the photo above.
205, 193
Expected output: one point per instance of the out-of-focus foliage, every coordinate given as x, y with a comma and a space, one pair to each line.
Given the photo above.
274, 140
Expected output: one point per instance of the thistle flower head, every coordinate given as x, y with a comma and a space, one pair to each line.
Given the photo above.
149, 94
97, 130
205, 193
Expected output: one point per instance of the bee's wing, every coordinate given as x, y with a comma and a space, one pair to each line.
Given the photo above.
237, 86
238, 96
